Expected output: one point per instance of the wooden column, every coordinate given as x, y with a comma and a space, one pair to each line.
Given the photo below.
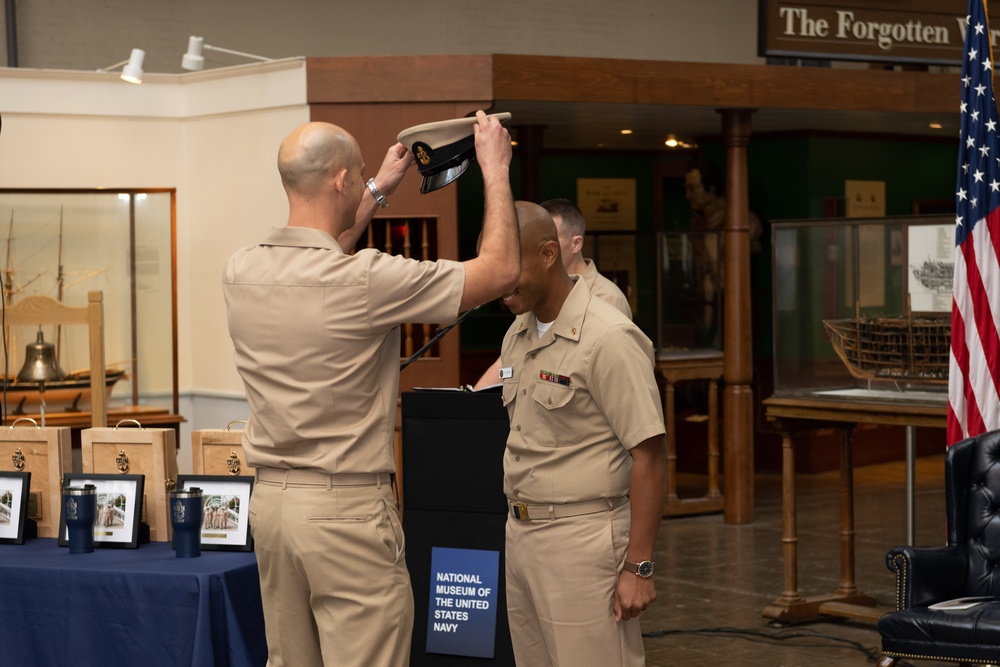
737, 398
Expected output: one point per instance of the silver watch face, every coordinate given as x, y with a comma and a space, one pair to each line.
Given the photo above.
645, 569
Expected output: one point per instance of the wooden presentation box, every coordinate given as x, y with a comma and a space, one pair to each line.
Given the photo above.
218, 452
46, 453
137, 451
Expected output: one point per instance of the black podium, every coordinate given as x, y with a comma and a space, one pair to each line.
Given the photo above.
453, 498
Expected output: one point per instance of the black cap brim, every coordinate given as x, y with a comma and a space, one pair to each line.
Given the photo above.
440, 179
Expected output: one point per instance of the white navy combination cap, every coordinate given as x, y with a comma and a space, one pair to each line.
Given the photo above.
443, 150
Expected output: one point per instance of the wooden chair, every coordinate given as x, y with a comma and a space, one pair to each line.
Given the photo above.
38, 310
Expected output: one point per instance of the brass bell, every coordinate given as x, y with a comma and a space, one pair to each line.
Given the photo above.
40, 363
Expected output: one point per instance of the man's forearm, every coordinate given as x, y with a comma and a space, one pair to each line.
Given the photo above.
500, 238
649, 462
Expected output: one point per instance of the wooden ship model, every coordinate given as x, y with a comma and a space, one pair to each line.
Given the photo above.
908, 349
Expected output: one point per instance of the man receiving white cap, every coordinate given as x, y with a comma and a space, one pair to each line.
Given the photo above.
583, 466
316, 332
570, 225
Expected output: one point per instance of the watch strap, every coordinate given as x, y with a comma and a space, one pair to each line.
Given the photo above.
637, 568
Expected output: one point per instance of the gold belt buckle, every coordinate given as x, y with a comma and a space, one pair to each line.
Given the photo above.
520, 511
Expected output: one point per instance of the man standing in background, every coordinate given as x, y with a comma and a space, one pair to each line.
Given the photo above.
571, 227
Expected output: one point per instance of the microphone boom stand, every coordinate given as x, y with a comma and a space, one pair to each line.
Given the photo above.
438, 335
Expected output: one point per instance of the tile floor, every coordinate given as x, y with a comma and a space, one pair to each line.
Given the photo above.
714, 579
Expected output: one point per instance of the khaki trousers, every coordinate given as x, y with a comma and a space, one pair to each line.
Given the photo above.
333, 575
561, 577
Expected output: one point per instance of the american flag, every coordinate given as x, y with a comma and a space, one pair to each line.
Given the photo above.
974, 379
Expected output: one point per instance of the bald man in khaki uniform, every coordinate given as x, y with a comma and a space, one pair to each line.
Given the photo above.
570, 226
316, 332
583, 467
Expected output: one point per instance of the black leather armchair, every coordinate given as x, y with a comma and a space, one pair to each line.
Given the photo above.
969, 565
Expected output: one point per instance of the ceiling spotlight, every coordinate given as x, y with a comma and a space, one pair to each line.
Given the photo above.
626, 131
132, 72
936, 126
673, 142
193, 60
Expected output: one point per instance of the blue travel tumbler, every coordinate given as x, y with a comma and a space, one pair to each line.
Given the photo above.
80, 512
186, 513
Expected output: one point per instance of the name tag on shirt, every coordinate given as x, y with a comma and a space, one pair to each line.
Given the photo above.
506, 373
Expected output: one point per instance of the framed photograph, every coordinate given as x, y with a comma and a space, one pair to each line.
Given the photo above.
14, 488
225, 526
930, 259
119, 509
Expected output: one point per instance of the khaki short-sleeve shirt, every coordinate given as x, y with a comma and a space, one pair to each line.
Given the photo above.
578, 399
316, 333
604, 289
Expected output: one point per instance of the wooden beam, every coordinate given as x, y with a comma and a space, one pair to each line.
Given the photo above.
611, 80
399, 79
717, 85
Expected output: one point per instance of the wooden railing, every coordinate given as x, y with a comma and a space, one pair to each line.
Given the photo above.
413, 238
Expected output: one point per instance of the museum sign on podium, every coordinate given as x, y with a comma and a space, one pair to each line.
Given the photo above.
454, 518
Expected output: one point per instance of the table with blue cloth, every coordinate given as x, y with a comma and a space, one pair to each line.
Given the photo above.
139, 606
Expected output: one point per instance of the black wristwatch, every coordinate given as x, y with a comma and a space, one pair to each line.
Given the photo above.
643, 569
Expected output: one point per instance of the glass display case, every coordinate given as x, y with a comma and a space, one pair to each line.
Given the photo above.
67, 243
673, 281
689, 284
862, 307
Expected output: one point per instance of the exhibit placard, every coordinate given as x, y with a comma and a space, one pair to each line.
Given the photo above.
463, 602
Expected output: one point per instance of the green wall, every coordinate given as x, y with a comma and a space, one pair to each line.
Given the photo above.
484, 330
789, 177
